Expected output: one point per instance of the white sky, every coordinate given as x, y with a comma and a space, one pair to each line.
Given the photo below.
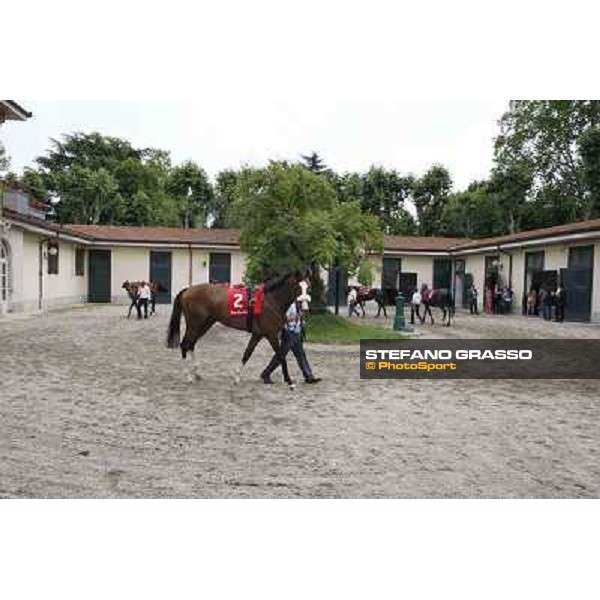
220, 132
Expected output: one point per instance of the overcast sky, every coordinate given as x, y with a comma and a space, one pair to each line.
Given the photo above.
219, 133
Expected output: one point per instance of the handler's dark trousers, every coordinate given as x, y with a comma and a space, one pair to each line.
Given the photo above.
413, 309
293, 342
142, 302
560, 313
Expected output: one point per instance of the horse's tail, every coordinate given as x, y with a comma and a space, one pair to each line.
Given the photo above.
173, 334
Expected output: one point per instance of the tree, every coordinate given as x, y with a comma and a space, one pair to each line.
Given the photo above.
472, 213
32, 184
509, 188
314, 163
89, 196
291, 219
589, 144
4, 159
132, 182
189, 184
225, 195
543, 136
430, 194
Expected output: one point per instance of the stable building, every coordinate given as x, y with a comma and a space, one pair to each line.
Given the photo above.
47, 265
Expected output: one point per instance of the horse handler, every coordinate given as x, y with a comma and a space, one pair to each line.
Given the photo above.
292, 339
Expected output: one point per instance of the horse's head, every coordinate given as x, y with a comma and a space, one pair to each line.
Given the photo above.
125, 285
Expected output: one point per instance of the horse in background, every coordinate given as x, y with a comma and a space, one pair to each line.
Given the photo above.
133, 291
364, 295
439, 298
206, 304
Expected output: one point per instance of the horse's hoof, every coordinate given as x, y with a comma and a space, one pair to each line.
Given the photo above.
292, 386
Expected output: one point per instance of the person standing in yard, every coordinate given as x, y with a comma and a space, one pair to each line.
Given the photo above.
547, 305
352, 302
415, 303
292, 339
489, 301
473, 309
143, 299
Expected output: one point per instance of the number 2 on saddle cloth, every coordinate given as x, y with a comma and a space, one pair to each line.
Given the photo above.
239, 298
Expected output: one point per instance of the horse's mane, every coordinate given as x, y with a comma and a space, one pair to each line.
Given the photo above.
276, 282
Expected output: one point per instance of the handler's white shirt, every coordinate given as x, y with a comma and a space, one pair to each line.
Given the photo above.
145, 292
416, 299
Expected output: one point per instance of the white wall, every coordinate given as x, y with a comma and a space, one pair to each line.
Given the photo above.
63, 289
127, 264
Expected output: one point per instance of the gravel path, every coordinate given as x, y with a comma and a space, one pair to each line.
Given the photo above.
94, 405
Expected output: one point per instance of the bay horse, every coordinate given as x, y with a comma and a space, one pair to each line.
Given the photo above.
364, 294
440, 298
206, 304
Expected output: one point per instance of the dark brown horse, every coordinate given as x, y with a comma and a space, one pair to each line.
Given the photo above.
204, 305
441, 298
363, 295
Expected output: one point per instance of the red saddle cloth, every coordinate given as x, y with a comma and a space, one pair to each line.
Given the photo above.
237, 300
426, 295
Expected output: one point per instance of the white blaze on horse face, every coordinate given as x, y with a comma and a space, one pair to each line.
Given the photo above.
304, 298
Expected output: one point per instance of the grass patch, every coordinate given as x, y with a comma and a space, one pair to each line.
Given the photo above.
329, 329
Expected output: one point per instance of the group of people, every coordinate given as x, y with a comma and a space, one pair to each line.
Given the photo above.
546, 300
497, 300
535, 303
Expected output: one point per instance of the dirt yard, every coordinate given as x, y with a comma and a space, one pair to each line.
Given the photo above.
94, 405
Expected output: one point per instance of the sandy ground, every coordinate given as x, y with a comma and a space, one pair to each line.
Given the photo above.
94, 405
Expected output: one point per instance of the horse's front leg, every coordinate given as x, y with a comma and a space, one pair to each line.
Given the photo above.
362, 307
247, 354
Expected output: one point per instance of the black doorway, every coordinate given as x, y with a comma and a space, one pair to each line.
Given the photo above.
99, 275
160, 272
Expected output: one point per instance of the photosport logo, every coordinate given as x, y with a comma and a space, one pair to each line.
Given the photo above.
480, 359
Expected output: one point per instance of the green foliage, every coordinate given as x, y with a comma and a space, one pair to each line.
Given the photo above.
226, 193
472, 213
189, 185
32, 184
589, 144
431, 194
291, 219
509, 189
89, 196
314, 163
101, 179
543, 137
365, 273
